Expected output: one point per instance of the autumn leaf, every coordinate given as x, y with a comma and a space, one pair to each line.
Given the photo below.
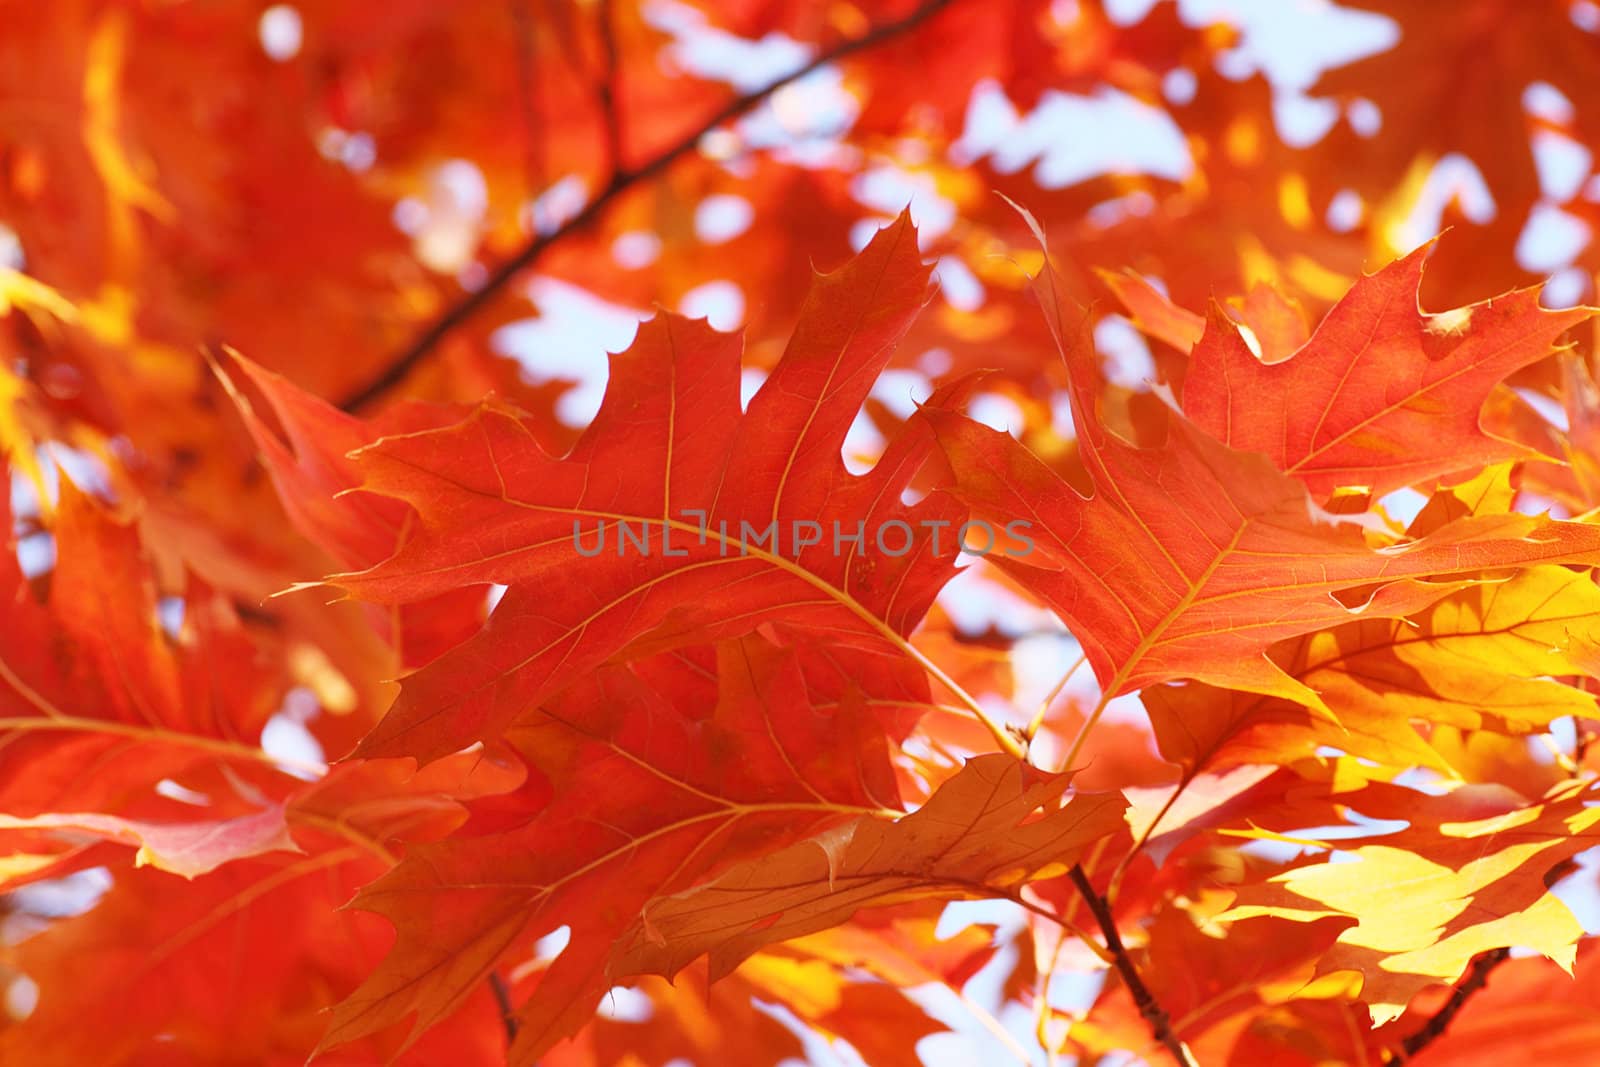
1206, 981
1502, 1017
305, 445
660, 774
1486, 48
1481, 658
1192, 558
1382, 394
1429, 899
91, 680
188, 848
267, 932
730, 518
388, 674
974, 837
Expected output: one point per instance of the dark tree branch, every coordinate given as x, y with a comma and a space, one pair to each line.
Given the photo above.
502, 997
1476, 977
1154, 1014
610, 74
527, 90
621, 181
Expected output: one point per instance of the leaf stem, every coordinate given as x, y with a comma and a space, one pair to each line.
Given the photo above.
1144, 838
1078, 742
1104, 955
1037, 722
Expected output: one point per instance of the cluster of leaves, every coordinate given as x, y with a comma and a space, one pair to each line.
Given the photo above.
1321, 796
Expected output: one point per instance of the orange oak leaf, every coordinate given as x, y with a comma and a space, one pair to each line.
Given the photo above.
724, 1023
672, 519
188, 848
249, 956
98, 706
1428, 899
310, 466
308, 458
1457, 86
698, 686
1481, 658
1192, 558
658, 773
1533, 1010
977, 836
1382, 394
245, 959
1153, 312
1213, 986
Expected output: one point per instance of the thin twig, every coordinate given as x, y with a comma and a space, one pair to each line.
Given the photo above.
523, 31
1037, 723
1154, 1014
622, 180
502, 997
606, 90
1144, 838
1475, 978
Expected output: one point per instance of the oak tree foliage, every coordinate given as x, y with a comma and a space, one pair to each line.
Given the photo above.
1055, 466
